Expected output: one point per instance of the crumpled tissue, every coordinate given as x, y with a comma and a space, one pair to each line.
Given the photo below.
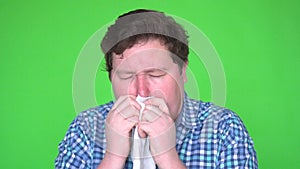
140, 152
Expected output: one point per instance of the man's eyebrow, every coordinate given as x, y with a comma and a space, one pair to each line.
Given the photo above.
155, 69
124, 72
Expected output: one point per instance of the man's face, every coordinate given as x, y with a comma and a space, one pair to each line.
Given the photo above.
147, 69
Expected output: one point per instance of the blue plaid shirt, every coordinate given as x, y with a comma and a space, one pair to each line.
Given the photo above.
207, 137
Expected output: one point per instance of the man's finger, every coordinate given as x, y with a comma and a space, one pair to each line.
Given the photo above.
123, 101
128, 112
159, 102
151, 113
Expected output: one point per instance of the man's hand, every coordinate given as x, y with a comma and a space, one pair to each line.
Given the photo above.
123, 116
160, 128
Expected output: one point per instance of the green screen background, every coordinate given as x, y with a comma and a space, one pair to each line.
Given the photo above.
257, 42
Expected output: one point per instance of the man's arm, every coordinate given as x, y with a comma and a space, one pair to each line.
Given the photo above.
112, 161
237, 146
74, 149
169, 160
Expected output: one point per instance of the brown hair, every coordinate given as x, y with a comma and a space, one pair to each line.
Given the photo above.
140, 26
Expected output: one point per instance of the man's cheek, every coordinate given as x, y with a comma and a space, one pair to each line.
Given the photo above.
160, 92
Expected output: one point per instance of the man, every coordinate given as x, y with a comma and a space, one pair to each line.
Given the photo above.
146, 55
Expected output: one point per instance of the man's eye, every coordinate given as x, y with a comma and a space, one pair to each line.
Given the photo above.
156, 74
125, 77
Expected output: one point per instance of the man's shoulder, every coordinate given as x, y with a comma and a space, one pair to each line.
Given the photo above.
220, 119
100, 111
84, 138
209, 110
210, 113
92, 120
223, 114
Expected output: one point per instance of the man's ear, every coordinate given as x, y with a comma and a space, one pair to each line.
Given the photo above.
183, 71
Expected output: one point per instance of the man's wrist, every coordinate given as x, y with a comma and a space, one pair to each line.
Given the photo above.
112, 161
169, 160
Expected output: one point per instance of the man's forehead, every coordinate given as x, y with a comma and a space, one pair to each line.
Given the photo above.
146, 70
143, 62
150, 57
142, 52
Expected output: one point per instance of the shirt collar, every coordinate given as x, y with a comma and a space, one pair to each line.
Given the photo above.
189, 111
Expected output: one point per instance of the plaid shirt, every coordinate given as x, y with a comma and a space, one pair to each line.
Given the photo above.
207, 137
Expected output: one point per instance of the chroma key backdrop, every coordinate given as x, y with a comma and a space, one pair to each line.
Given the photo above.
244, 55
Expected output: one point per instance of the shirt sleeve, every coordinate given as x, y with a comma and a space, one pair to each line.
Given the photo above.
74, 149
237, 150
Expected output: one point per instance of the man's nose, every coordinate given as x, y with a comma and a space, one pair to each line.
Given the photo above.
142, 85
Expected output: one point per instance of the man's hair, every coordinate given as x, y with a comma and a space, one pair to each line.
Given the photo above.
139, 26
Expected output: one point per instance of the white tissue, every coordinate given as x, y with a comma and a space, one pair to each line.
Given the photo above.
140, 152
